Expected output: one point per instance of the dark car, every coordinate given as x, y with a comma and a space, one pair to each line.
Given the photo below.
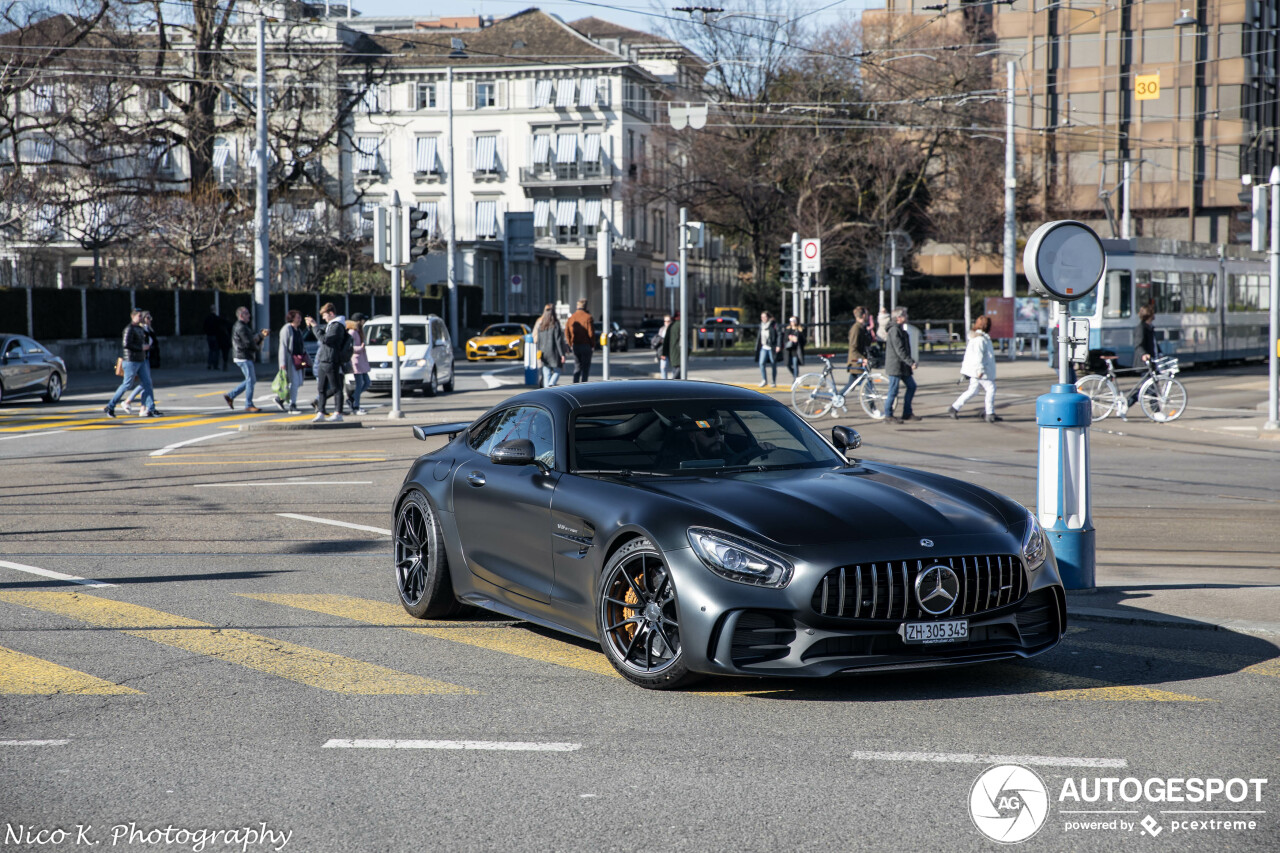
619, 339
715, 329
28, 369
697, 528
642, 338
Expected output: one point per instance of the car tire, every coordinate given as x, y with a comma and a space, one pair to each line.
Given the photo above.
1, 393
447, 387
422, 567
637, 619
53, 391
431, 386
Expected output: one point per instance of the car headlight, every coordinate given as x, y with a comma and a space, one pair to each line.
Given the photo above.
471, 344
1035, 546
515, 343
416, 362
737, 560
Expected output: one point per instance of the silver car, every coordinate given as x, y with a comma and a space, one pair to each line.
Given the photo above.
28, 369
427, 363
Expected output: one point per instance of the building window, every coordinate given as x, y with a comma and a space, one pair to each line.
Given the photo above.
1083, 51
1159, 45
372, 100
486, 155
541, 93
565, 90
368, 154
426, 161
486, 220
426, 96
486, 94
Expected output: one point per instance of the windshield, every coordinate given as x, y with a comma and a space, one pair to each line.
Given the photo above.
413, 334
503, 329
684, 435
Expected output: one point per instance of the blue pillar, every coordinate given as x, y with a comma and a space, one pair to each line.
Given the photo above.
1064, 504
531, 369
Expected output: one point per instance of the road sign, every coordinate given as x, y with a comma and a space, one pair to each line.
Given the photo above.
650, 289
810, 256
1064, 261
517, 284
1146, 87
673, 275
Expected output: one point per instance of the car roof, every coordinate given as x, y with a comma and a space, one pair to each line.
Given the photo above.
404, 318
585, 394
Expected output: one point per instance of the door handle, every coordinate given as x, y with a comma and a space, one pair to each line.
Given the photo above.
475, 478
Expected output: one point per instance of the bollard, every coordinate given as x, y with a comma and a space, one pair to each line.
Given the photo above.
1064, 505
531, 369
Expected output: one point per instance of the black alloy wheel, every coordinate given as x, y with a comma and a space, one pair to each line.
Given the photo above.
637, 618
422, 569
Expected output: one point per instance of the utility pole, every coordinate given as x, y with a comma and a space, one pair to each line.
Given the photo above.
893, 274
795, 275
1273, 345
604, 268
450, 273
1010, 192
1126, 215
684, 294
261, 216
398, 252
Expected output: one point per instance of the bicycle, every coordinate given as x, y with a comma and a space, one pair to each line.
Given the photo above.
815, 394
1162, 397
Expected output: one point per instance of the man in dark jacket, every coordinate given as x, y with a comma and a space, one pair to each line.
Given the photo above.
581, 337
328, 366
135, 346
898, 366
244, 344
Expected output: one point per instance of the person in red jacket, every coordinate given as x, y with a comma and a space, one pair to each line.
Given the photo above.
581, 336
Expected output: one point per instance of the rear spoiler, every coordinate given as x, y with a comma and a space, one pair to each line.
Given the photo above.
422, 433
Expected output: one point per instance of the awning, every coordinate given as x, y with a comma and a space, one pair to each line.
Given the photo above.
564, 92
542, 93
486, 218
486, 153
591, 148
221, 152
566, 148
426, 160
541, 147
591, 213
430, 223
587, 95
566, 214
367, 153
541, 213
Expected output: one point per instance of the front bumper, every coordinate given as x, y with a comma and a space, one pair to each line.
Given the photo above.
487, 352
734, 629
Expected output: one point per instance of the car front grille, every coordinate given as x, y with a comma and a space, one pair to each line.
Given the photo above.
887, 590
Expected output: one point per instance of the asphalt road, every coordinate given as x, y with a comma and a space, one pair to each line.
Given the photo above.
249, 666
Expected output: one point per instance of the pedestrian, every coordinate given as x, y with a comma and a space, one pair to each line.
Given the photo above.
898, 366
136, 368
359, 362
768, 348
671, 345
151, 362
292, 356
551, 344
859, 342
581, 337
245, 343
213, 336
1146, 352
979, 367
796, 340
661, 348
335, 347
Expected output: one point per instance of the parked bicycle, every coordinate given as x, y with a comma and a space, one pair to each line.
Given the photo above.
815, 394
1162, 397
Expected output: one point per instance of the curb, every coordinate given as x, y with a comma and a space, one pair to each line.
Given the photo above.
270, 427
1160, 620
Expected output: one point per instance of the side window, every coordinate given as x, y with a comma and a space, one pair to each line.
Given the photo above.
528, 422
484, 437
13, 349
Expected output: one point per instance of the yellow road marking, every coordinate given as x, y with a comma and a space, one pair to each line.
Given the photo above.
275, 657
199, 421
1077, 687
211, 394
29, 676
1266, 667
104, 420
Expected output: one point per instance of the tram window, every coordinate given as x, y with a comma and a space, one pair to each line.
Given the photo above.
1142, 288
1117, 299
1210, 292
1166, 292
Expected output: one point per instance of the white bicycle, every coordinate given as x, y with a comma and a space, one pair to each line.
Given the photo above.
1162, 397
815, 394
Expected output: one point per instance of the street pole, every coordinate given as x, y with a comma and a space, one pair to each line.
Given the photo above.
396, 243
1010, 193
1126, 216
1273, 415
684, 294
453, 231
893, 275
604, 268
261, 221
795, 275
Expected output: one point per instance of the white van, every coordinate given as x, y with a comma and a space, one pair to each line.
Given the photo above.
428, 354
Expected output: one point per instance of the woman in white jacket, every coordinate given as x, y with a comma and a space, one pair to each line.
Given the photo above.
979, 367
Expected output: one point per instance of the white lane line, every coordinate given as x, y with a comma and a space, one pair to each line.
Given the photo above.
968, 758
162, 451
34, 432
381, 530
491, 377
34, 742
503, 746
58, 576
291, 483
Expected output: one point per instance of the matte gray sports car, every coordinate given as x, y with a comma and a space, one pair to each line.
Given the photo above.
697, 528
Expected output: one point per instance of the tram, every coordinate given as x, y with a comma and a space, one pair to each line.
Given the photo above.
1211, 300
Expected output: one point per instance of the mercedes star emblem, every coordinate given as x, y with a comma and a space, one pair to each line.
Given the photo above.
937, 588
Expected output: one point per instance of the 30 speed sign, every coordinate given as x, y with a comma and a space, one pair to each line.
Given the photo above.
1146, 87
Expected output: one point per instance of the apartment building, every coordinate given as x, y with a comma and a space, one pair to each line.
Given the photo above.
1184, 90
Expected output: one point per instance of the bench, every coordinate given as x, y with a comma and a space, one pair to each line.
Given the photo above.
933, 337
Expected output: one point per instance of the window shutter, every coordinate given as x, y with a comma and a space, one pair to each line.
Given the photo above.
471, 95
602, 91
500, 94
501, 164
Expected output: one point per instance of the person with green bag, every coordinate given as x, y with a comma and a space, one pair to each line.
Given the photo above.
292, 357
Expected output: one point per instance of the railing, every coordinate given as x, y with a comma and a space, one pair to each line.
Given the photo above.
567, 173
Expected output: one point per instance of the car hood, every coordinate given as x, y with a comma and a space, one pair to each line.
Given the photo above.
826, 507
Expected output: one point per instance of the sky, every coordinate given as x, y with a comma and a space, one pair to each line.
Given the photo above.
637, 14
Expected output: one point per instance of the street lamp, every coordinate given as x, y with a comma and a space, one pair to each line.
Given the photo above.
1186, 19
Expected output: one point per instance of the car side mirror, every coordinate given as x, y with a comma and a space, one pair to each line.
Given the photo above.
515, 451
845, 439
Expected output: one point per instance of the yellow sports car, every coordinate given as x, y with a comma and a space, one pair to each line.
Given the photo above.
501, 340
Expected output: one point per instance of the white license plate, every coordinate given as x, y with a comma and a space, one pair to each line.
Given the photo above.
951, 631
380, 376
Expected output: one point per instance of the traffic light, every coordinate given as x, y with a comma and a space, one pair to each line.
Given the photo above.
1255, 197
416, 238
786, 262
